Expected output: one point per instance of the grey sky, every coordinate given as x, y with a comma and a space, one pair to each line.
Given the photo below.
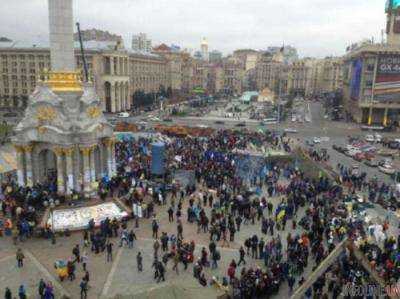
315, 27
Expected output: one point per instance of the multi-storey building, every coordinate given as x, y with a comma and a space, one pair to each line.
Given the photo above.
116, 72
371, 76
332, 74
233, 74
270, 70
140, 43
215, 56
187, 73
303, 76
174, 62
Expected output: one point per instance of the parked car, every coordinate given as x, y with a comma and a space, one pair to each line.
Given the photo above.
123, 114
317, 140
290, 130
167, 119
371, 163
387, 169
358, 157
309, 143
370, 138
219, 122
242, 124
378, 138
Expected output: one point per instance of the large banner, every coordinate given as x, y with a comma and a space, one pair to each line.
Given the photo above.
355, 83
387, 81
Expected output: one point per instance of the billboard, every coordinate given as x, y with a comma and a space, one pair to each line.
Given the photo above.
355, 82
387, 80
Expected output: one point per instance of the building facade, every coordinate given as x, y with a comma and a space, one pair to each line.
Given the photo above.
371, 90
115, 72
140, 43
371, 76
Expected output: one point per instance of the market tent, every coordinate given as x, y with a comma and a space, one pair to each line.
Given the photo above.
248, 96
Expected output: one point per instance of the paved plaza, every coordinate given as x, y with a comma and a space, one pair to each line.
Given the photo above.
120, 277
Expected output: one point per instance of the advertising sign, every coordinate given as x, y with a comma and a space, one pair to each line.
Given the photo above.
355, 82
388, 65
387, 81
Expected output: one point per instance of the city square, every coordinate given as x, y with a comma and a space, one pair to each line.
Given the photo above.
152, 171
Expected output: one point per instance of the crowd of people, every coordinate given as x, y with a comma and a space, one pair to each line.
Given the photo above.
298, 220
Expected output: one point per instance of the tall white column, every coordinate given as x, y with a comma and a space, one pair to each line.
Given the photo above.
92, 165
113, 99
69, 170
29, 171
103, 158
60, 171
110, 161
111, 65
123, 108
21, 175
86, 169
114, 161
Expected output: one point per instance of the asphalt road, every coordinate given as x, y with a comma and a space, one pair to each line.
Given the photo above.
337, 132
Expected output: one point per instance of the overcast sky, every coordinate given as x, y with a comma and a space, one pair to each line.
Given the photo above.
315, 27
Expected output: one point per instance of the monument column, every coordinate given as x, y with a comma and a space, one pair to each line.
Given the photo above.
86, 168
92, 165
113, 97
114, 162
28, 158
61, 35
102, 159
21, 174
108, 150
111, 65
60, 170
69, 170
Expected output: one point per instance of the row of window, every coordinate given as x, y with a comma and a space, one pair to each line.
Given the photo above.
4, 57
6, 91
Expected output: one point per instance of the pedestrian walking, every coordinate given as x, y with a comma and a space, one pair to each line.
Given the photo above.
8, 293
180, 231
154, 227
242, 253
215, 257
176, 261
76, 253
20, 258
84, 260
156, 247
171, 214
139, 261
22, 292
84, 288
131, 238
109, 250
41, 288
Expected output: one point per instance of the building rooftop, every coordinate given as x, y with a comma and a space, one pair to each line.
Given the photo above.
91, 45
372, 48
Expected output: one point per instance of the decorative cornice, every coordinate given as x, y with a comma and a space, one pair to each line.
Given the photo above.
63, 81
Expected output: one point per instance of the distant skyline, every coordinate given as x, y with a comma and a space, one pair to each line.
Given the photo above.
316, 28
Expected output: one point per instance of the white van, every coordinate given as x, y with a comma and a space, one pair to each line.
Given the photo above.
123, 114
